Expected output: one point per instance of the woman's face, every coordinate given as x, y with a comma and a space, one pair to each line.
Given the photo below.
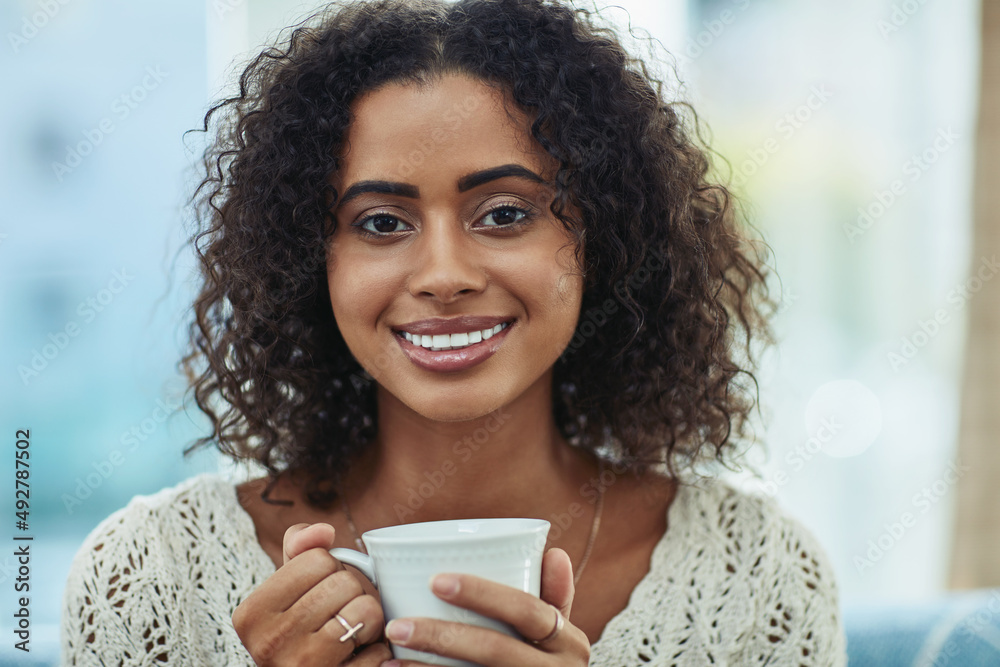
441, 215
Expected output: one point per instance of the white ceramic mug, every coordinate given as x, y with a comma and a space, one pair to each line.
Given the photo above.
403, 559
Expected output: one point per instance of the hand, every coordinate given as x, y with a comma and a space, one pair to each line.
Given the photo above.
532, 617
289, 620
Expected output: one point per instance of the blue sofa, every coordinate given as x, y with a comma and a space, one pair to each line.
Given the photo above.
955, 630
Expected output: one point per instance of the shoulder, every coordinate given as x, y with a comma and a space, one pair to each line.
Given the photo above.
717, 508
756, 534
773, 560
140, 515
197, 488
131, 581
146, 516
132, 538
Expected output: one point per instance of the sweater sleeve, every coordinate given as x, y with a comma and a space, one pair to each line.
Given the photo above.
120, 605
798, 619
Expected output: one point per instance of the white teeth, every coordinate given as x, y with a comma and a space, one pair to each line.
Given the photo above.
454, 341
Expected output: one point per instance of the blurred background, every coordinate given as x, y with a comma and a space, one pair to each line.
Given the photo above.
850, 130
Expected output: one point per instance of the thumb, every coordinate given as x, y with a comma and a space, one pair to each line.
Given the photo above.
304, 536
557, 580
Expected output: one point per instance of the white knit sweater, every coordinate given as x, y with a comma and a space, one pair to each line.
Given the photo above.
734, 581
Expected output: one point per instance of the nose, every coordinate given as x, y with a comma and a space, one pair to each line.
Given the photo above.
446, 262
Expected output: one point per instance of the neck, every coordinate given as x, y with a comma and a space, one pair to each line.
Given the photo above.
511, 461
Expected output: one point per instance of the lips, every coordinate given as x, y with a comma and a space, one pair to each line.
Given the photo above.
454, 360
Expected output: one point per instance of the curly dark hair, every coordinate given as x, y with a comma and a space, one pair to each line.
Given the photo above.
666, 253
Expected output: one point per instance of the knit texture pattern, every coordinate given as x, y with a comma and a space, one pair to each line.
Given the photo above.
734, 581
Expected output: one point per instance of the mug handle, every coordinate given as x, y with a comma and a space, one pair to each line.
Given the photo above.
359, 560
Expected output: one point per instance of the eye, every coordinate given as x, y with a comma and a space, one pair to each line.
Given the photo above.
383, 225
505, 215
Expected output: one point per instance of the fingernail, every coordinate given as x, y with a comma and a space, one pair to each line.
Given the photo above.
399, 631
445, 584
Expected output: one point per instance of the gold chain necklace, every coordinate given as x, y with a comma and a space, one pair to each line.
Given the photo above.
594, 527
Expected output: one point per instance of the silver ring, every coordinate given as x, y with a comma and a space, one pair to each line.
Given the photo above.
556, 629
350, 631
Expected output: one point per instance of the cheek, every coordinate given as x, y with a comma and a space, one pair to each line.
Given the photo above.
553, 293
567, 300
563, 281
569, 291
358, 294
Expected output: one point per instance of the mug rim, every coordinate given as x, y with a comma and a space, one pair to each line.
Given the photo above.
385, 535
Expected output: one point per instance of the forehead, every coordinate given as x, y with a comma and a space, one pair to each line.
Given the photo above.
452, 124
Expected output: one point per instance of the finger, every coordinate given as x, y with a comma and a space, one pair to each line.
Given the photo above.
303, 536
363, 611
370, 656
533, 618
324, 648
321, 602
292, 530
557, 580
295, 578
461, 641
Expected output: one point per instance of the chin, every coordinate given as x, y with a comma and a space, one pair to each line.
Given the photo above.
461, 413
445, 405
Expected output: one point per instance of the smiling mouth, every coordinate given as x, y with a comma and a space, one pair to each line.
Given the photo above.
445, 342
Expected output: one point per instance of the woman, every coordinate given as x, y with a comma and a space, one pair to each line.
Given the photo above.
461, 260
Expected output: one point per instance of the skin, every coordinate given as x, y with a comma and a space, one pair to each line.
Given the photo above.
444, 254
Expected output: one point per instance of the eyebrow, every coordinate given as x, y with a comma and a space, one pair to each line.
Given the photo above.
467, 182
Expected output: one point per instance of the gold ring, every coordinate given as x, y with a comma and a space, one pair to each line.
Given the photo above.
556, 629
350, 631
